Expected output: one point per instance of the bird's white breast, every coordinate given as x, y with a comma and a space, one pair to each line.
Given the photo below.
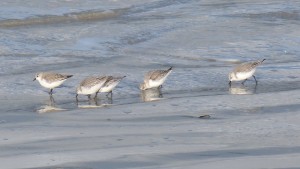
244, 75
108, 88
89, 90
52, 85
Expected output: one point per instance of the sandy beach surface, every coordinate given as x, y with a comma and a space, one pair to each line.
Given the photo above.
196, 121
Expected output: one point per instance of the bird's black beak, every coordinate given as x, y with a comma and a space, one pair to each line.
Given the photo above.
34, 79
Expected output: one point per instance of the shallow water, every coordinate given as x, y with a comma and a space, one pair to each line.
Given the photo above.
202, 40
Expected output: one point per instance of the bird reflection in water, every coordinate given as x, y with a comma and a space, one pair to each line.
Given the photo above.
90, 103
50, 106
94, 103
242, 90
152, 94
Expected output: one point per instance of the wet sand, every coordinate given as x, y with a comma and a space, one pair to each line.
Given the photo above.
240, 127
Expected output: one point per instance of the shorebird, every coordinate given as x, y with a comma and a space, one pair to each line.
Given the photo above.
155, 79
110, 84
90, 85
244, 71
51, 80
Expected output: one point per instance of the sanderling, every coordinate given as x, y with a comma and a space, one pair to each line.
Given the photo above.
91, 85
110, 84
244, 71
51, 80
155, 79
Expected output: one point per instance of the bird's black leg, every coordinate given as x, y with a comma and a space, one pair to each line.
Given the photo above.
109, 93
96, 95
244, 81
110, 98
89, 96
255, 79
51, 92
229, 83
160, 86
76, 97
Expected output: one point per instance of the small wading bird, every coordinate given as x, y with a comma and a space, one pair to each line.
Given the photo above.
154, 79
51, 80
110, 84
90, 85
244, 71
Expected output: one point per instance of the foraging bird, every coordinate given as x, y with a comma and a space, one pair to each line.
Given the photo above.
155, 78
90, 85
244, 71
110, 84
51, 80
